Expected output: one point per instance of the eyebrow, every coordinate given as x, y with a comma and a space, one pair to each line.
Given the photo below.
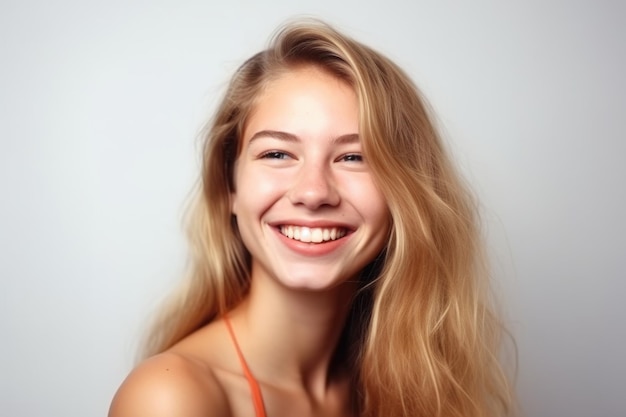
290, 137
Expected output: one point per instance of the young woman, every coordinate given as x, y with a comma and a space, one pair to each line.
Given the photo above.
337, 267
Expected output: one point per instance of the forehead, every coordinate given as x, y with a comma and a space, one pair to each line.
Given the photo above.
305, 100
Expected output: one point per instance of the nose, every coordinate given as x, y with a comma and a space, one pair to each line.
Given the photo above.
314, 187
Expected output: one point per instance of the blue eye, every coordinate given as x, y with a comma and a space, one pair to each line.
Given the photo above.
352, 157
274, 155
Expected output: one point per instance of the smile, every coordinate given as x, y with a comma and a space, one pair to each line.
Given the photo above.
312, 234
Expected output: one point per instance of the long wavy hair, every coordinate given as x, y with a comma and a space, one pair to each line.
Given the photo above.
423, 336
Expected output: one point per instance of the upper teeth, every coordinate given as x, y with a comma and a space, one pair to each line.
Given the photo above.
312, 234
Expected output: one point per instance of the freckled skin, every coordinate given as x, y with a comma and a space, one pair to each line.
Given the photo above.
312, 172
301, 165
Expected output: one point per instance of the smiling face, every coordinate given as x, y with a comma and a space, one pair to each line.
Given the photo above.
306, 205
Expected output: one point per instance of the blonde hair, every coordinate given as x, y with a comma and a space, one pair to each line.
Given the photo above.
422, 334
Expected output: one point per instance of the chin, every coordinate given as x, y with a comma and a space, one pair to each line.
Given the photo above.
311, 281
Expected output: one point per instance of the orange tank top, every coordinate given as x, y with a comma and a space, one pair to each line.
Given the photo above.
255, 389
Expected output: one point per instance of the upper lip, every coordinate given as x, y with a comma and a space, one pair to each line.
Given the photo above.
326, 224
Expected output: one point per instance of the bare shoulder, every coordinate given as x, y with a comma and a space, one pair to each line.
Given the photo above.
170, 385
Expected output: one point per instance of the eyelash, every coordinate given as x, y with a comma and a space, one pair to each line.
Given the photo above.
274, 155
350, 157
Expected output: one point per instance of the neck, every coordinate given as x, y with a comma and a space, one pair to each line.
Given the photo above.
292, 335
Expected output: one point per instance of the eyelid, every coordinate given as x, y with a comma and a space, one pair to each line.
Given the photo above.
359, 155
272, 153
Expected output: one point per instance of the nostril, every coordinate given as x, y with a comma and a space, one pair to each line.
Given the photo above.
314, 190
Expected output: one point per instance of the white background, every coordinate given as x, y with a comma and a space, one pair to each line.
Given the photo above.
100, 108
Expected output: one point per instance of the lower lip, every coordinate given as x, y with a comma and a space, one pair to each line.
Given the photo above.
312, 249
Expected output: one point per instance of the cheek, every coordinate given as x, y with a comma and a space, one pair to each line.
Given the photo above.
375, 209
256, 190
379, 212
369, 198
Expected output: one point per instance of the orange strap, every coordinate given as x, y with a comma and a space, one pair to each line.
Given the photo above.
255, 390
